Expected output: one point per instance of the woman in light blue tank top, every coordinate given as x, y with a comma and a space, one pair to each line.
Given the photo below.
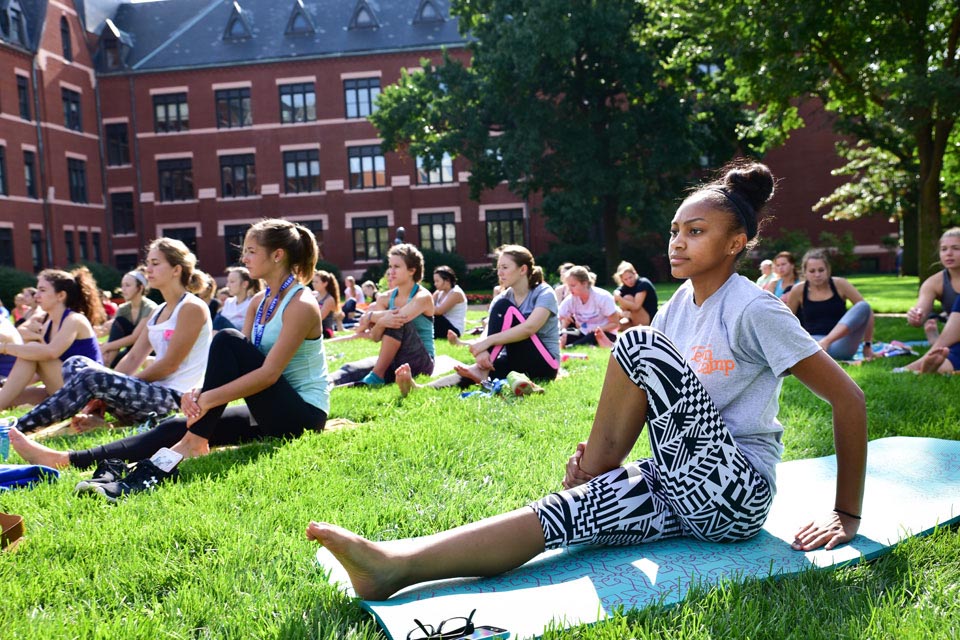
276, 366
401, 320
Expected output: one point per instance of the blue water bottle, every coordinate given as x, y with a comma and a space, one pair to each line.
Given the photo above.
5, 425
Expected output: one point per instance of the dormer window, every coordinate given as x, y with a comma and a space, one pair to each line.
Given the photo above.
237, 26
111, 46
428, 11
364, 16
14, 25
299, 22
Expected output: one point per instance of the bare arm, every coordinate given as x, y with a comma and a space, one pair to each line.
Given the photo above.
538, 317
930, 290
125, 341
453, 298
74, 326
828, 381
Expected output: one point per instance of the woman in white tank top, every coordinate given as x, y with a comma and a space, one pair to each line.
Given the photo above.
178, 332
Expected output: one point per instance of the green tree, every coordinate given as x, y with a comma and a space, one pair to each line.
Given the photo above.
887, 70
576, 100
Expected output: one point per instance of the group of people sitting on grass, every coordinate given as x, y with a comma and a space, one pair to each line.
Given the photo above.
704, 371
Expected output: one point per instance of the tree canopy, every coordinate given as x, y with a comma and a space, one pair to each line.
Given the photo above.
577, 100
887, 70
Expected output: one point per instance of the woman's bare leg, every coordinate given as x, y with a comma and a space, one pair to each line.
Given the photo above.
21, 375
489, 547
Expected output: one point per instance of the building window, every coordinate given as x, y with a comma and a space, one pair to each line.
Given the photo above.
171, 113
30, 173
176, 179
186, 235
23, 96
121, 206
504, 226
441, 175
65, 39
3, 172
126, 262
301, 170
82, 241
233, 235
36, 249
95, 239
233, 108
438, 232
315, 226
71, 110
238, 176
367, 167
15, 27
6, 247
77, 172
360, 96
298, 103
370, 238
71, 252
118, 146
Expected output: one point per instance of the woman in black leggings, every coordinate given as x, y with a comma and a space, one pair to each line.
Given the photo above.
277, 366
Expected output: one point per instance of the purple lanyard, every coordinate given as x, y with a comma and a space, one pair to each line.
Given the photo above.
258, 328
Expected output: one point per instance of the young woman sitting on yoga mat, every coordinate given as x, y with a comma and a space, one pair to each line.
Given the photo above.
706, 377
522, 333
401, 320
277, 366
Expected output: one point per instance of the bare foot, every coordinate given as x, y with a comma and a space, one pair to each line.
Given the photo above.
931, 362
36, 453
602, 339
192, 446
404, 379
83, 422
374, 573
468, 373
453, 338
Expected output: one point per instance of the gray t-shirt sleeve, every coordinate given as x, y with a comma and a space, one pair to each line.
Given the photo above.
769, 332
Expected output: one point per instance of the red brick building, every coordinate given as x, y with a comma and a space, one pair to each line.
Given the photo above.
193, 118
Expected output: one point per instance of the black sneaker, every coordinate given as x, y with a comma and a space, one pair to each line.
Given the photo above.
145, 476
109, 470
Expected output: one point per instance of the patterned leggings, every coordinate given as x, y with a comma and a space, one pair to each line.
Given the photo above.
84, 379
697, 484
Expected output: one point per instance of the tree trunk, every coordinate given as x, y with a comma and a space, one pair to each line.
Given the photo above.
928, 218
911, 228
611, 234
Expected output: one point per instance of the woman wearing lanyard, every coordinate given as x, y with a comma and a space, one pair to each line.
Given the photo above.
277, 366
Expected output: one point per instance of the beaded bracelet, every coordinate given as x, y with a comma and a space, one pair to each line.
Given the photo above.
846, 513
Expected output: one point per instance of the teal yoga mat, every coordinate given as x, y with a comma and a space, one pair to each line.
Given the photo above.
913, 485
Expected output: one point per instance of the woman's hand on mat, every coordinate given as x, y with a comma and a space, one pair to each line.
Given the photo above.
828, 532
575, 476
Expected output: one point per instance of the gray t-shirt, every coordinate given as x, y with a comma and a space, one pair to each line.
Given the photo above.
540, 296
741, 343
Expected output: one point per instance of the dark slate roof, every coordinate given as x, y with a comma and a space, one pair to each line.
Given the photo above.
34, 12
179, 34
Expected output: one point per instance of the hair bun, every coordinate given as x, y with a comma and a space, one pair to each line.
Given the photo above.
753, 182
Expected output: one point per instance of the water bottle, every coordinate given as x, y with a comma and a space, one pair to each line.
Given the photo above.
5, 425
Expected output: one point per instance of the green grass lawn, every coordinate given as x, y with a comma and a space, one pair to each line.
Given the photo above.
222, 554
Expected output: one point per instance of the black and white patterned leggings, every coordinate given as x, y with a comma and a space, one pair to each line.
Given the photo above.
697, 484
84, 379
